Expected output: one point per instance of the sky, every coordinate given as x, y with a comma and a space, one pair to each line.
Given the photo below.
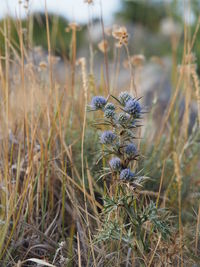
74, 10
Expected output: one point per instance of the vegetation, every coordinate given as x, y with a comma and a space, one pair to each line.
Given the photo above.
81, 188
34, 33
147, 13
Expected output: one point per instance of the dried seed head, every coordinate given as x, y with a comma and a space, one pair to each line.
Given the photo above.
121, 35
103, 46
72, 26
137, 60
43, 65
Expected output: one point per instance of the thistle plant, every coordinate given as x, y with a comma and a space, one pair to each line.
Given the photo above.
122, 120
125, 217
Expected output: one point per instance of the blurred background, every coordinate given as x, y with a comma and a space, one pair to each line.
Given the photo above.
156, 31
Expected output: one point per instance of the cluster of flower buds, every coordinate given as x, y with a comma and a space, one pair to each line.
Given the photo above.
121, 117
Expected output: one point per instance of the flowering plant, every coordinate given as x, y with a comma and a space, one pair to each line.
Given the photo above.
125, 218
118, 141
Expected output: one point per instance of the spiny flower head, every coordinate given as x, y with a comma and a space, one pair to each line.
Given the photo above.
110, 106
109, 111
130, 150
126, 174
123, 118
133, 108
109, 114
124, 97
98, 102
107, 137
115, 164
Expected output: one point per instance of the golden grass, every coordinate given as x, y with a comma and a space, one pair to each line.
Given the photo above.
47, 189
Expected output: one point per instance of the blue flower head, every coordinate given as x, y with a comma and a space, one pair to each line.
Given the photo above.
126, 174
109, 113
123, 118
108, 137
133, 108
130, 150
115, 164
98, 102
124, 97
110, 106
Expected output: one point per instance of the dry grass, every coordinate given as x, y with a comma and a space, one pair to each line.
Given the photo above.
50, 200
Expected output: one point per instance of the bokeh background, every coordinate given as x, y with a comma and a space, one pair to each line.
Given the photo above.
156, 30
